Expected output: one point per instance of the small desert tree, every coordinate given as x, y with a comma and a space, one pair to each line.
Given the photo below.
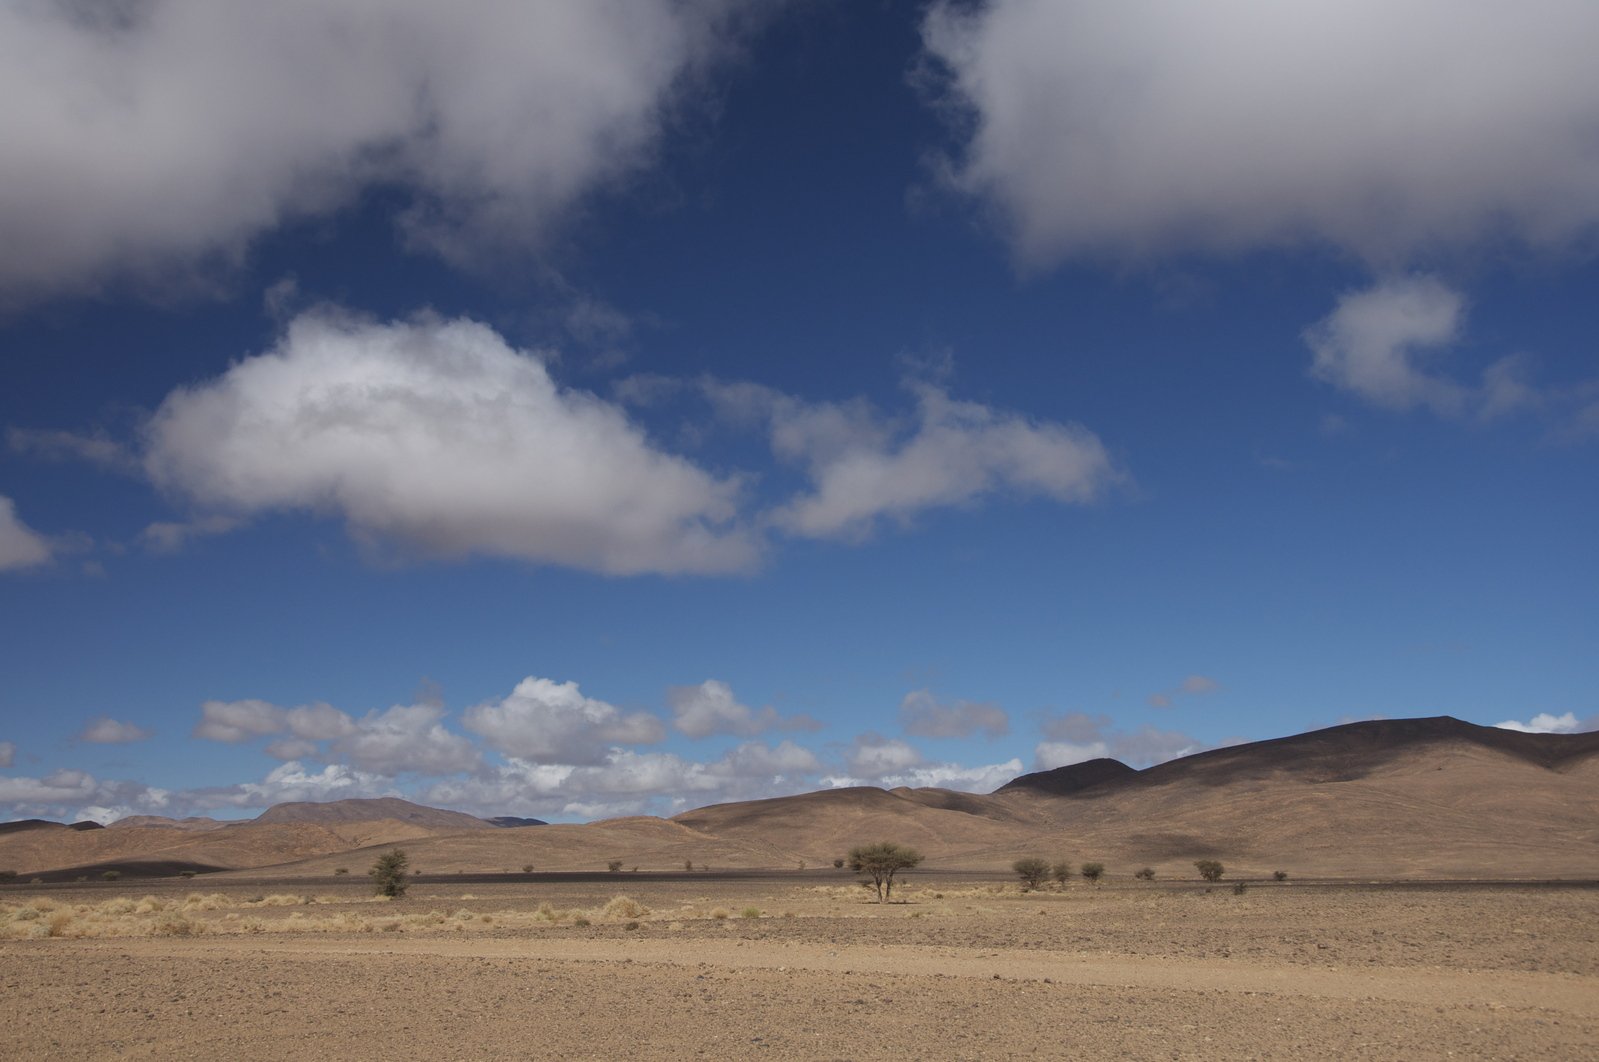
1061, 872
1031, 870
1093, 871
1146, 874
880, 862
388, 874
1279, 875
1209, 869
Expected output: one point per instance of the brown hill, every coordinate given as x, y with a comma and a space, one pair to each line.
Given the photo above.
193, 822
372, 810
1414, 797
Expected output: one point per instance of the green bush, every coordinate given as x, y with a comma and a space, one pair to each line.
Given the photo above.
1209, 869
185, 873
1279, 875
614, 866
1093, 871
1146, 874
111, 875
527, 868
838, 864
388, 874
341, 870
1240, 887
1031, 870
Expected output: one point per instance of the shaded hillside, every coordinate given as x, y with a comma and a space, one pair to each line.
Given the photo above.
24, 825
1355, 750
391, 809
1071, 778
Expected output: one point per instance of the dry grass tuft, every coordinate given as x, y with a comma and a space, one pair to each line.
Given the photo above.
620, 908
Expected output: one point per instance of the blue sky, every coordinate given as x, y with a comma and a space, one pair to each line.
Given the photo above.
589, 409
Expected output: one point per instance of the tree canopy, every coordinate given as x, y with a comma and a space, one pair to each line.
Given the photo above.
880, 862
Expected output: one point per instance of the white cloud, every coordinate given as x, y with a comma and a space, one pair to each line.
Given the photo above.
1149, 126
74, 795
319, 722
710, 708
405, 738
438, 436
874, 756
982, 779
1544, 723
1375, 343
1077, 737
292, 748
152, 139
8, 753
629, 782
1149, 745
20, 545
864, 468
921, 714
552, 722
293, 781
108, 731
1385, 344
1047, 755
236, 721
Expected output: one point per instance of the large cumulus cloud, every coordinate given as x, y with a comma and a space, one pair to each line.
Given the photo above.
1384, 127
437, 435
143, 138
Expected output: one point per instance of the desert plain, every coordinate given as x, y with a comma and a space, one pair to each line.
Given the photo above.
799, 964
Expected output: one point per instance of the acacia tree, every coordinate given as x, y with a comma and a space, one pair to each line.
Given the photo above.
388, 874
1032, 871
880, 862
1209, 869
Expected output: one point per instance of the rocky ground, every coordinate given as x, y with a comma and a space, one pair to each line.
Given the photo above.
800, 967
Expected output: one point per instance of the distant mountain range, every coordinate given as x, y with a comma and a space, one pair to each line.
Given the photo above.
1432, 797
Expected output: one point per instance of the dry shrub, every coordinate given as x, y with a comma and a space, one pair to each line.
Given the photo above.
283, 899
173, 925
720, 913
210, 901
621, 907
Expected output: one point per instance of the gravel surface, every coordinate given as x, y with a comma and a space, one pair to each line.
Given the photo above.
962, 972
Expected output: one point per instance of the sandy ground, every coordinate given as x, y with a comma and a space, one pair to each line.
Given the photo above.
968, 969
